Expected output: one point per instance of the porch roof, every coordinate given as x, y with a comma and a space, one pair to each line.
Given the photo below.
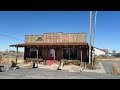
49, 44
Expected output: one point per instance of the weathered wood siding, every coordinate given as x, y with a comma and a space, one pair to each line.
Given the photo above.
45, 53
58, 54
26, 54
56, 37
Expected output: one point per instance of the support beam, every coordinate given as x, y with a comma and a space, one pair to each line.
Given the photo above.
54, 54
85, 57
37, 59
81, 57
16, 54
92, 58
69, 53
77, 53
25, 54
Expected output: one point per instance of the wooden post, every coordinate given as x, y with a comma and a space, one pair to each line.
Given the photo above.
92, 57
54, 54
69, 53
77, 53
86, 51
81, 57
37, 58
16, 54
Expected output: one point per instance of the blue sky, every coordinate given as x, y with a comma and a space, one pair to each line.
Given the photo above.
20, 23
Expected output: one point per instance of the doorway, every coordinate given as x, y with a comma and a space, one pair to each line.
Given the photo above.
51, 57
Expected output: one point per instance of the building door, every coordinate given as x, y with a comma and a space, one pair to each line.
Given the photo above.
51, 57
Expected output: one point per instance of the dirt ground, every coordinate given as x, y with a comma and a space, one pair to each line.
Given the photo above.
41, 73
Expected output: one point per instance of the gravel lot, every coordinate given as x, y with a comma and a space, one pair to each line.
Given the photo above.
39, 73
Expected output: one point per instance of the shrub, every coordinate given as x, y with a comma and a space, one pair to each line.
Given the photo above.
29, 59
76, 62
65, 61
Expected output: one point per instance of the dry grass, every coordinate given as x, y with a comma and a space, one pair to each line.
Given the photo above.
8, 56
112, 59
9, 59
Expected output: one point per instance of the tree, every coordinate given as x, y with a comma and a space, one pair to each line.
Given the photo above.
6, 50
13, 51
113, 52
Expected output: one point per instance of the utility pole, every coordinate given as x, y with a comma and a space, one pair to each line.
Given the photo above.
90, 37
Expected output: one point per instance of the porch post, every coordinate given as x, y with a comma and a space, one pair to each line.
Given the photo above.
86, 55
37, 58
62, 53
69, 53
92, 56
81, 57
16, 54
54, 54
77, 53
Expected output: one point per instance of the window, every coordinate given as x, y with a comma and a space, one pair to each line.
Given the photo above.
33, 52
70, 53
39, 52
66, 53
73, 53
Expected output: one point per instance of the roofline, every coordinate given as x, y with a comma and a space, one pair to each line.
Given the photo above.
48, 44
99, 49
56, 32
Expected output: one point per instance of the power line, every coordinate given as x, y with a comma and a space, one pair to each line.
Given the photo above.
11, 37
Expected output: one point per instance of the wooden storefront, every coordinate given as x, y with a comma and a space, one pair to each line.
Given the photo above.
59, 43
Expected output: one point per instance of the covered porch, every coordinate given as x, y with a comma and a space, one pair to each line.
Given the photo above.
50, 53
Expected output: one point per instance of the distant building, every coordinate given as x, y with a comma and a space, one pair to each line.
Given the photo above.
105, 50
100, 51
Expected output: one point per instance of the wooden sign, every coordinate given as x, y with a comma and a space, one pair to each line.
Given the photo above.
56, 37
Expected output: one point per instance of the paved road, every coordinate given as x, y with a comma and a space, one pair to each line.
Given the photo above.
39, 73
108, 65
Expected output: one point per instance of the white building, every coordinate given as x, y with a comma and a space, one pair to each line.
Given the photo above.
99, 51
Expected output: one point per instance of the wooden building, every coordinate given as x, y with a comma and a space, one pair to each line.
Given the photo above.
52, 47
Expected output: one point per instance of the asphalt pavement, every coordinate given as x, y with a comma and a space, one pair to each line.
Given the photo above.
40, 73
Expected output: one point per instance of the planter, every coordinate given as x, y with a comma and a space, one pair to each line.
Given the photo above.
65, 62
76, 62
70, 63
44, 62
57, 62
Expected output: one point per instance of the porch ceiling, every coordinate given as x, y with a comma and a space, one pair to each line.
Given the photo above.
49, 44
